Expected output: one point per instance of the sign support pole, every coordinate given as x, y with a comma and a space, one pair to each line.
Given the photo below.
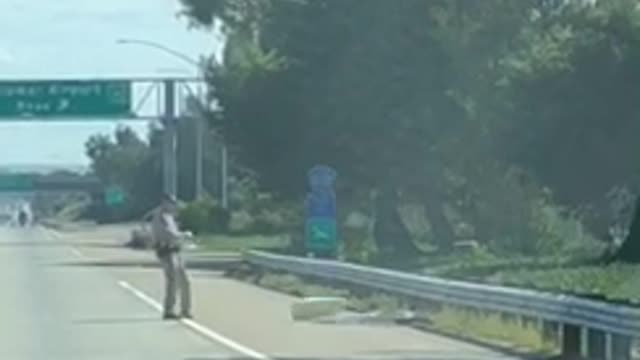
169, 158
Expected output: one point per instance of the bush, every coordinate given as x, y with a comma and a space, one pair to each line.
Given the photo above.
194, 217
241, 222
269, 222
561, 232
220, 219
614, 282
357, 243
72, 211
258, 212
204, 216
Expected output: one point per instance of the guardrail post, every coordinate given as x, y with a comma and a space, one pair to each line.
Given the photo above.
596, 344
571, 341
551, 332
620, 347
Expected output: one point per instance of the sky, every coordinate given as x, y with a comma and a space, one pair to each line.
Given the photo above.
68, 39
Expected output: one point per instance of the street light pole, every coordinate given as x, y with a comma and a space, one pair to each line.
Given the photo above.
160, 47
200, 127
224, 166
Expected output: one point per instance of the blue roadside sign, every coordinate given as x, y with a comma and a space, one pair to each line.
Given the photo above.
321, 234
321, 177
321, 204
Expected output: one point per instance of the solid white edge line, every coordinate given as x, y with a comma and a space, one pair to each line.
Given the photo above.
197, 327
140, 295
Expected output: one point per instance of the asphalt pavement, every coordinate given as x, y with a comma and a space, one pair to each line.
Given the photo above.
81, 295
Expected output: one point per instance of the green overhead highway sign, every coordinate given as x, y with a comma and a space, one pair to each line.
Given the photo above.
16, 182
65, 98
13, 182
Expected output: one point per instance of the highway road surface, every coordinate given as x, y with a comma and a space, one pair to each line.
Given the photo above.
79, 295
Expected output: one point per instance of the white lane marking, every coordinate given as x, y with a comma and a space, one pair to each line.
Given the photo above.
197, 327
57, 236
52, 232
77, 253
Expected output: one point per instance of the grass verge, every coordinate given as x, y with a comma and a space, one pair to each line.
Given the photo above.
231, 243
494, 328
616, 282
583, 277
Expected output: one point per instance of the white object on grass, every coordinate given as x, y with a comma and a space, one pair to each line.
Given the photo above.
316, 307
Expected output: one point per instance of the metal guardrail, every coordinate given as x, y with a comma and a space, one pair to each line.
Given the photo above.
612, 320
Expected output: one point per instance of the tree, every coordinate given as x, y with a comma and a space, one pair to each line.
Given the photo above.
314, 82
130, 163
134, 164
459, 104
572, 84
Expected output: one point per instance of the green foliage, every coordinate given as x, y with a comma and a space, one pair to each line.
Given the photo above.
268, 222
195, 216
489, 326
358, 249
277, 220
484, 266
135, 164
562, 233
260, 212
204, 215
357, 240
129, 162
572, 81
72, 211
241, 222
241, 243
613, 282
437, 102
62, 206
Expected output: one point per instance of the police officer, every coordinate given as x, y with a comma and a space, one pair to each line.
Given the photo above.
168, 241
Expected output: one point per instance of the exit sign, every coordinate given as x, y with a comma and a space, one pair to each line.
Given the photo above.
65, 98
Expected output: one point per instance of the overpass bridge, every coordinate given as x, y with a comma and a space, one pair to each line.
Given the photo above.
41, 192
29, 183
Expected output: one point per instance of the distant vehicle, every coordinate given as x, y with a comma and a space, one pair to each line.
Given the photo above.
23, 219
